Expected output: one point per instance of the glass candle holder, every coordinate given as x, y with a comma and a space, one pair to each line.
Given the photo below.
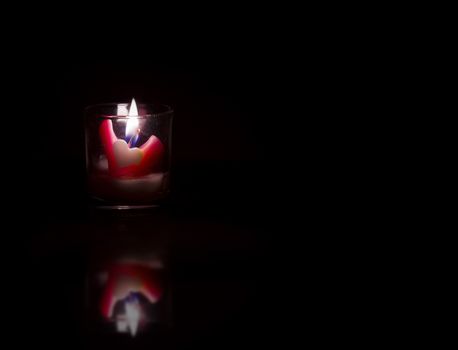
128, 154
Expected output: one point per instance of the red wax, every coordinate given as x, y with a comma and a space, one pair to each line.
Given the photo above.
108, 137
151, 159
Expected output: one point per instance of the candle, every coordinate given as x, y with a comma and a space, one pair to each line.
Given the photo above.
127, 155
124, 160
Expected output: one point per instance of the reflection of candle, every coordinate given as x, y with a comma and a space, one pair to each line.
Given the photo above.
130, 294
124, 160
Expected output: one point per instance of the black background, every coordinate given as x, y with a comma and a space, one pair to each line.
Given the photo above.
278, 193
228, 224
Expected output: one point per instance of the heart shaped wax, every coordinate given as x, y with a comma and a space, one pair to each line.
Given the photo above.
126, 156
125, 161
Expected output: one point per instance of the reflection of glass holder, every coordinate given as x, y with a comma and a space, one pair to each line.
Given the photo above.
128, 154
128, 294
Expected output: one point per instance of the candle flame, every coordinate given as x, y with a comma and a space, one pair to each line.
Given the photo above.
133, 109
132, 121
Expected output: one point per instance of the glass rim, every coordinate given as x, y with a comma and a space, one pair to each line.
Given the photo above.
168, 109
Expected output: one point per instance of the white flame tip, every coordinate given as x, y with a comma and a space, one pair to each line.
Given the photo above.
133, 111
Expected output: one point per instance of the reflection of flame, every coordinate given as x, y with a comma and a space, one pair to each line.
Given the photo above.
122, 110
130, 320
133, 313
133, 316
132, 121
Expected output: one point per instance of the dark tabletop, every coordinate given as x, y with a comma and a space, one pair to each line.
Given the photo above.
215, 236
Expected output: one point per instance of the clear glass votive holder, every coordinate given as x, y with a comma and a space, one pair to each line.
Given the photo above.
128, 150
